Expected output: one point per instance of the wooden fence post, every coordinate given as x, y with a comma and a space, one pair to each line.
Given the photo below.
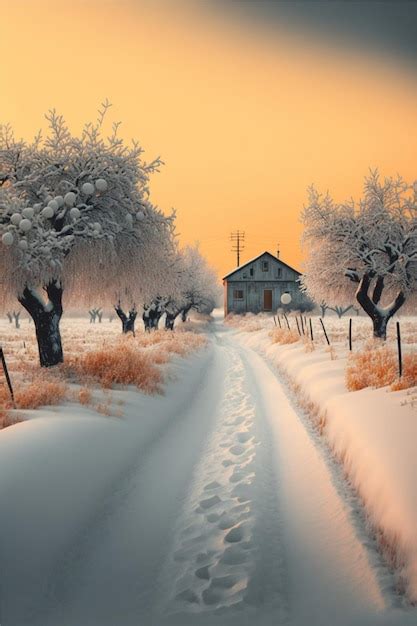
324, 330
286, 319
298, 325
6, 373
400, 358
275, 321
350, 334
302, 324
279, 321
311, 331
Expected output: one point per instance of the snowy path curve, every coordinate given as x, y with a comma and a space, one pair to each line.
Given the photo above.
230, 514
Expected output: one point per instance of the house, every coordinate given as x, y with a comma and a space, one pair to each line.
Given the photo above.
259, 284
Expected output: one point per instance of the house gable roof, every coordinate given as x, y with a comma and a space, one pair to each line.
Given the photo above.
274, 258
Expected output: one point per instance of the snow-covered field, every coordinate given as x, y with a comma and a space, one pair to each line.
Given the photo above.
214, 503
96, 356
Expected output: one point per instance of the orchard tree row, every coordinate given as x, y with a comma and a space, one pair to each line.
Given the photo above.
77, 225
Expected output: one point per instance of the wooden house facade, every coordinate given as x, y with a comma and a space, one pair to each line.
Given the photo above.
258, 285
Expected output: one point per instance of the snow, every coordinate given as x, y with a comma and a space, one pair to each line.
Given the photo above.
87, 189
101, 184
7, 239
215, 503
47, 212
70, 198
372, 432
25, 225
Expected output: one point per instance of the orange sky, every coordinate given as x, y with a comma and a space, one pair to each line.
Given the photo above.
244, 118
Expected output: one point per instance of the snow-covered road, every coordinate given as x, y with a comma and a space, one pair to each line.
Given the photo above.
224, 508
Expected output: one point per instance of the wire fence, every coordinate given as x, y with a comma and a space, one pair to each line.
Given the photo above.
307, 329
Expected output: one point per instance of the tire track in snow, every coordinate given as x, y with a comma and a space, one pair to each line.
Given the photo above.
226, 552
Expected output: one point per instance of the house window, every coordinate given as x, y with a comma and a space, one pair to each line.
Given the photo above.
278, 273
238, 294
251, 272
245, 275
265, 266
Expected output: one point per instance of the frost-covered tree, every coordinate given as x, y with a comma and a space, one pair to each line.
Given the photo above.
95, 314
197, 287
153, 311
323, 308
340, 310
128, 320
366, 249
14, 315
76, 219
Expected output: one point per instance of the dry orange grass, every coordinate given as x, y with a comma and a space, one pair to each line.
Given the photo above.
133, 361
6, 419
409, 377
122, 364
84, 396
94, 355
37, 388
45, 389
177, 342
284, 336
377, 366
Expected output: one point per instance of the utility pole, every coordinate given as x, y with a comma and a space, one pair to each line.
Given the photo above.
238, 239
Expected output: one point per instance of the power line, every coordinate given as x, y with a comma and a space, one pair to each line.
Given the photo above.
238, 239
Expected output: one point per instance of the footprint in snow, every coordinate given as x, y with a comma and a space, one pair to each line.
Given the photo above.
234, 535
203, 573
188, 596
237, 450
208, 503
213, 485
244, 437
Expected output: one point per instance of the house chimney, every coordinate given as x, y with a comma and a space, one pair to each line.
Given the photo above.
277, 250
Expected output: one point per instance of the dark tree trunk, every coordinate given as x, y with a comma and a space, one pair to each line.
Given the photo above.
170, 319
380, 317
151, 318
185, 312
146, 321
46, 319
128, 323
16, 319
156, 319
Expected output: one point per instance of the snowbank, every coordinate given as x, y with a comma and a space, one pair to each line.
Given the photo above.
373, 432
60, 470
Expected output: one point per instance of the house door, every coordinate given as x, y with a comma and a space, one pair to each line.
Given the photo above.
267, 299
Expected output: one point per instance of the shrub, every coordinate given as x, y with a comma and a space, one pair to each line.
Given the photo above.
45, 389
409, 377
6, 419
84, 396
122, 363
377, 366
284, 336
38, 388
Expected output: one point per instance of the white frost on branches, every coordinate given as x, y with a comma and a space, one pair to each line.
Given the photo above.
368, 247
76, 210
196, 285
